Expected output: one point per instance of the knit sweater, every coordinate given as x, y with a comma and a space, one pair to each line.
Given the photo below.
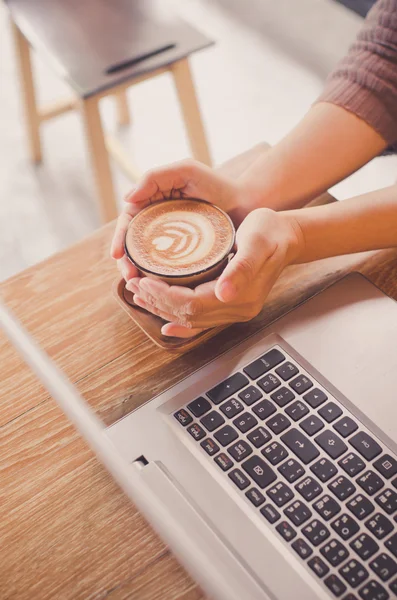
365, 81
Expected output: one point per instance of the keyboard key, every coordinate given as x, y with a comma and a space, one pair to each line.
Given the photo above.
316, 532
309, 488
275, 453
370, 482
312, 425
334, 552
227, 388
183, 417
270, 513
199, 406
335, 585
245, 422
261, 473
283, 396
352, 464
226, 435
318, 566
223, 461
196, 431
231, 408
324, 469
386, 465
268, 383
291, 470
255, 496
212, 420
365, 445
302, 548
345, 526
240, 450
298, 513
331, 443
391, 544
300, 445
327, 507
287, 370
373, 591
280, 493
365, 546
354, 573
209, 446
345, 426
264, 409
286, 531
239, 479
394, 482
315, 397
297, 410
388, 501
360, 506
393, 587
330, 412
258, 437
301, 384
342, 487
384, 566
278, 423
263, 364
250, 395
379, 525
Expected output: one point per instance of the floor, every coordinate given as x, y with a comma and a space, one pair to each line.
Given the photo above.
268, 66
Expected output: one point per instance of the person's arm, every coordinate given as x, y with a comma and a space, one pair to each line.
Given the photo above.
329, 144
367, 222
354, 119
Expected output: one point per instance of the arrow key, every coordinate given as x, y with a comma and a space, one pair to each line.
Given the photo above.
330, 412
312, 425
345, 426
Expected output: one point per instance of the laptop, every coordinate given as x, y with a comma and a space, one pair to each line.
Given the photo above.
271, 472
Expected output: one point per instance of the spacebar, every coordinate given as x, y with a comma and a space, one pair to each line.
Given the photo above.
300, 445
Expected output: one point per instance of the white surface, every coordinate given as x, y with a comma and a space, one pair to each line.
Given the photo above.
268, 66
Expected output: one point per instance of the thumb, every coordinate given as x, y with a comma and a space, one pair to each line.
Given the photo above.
242, 270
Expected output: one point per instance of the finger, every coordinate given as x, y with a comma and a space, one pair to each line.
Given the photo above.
132, 285
126, 268
246, 264
152, 309
182, 300
117, 246
160, 183
175, 330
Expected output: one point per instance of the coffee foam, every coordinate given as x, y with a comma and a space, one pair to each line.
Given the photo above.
179, 237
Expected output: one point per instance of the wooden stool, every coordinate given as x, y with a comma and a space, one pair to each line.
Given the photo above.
101, 48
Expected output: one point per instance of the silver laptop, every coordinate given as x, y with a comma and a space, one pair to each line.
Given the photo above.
272, 471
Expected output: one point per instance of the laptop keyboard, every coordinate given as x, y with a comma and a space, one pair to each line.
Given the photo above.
309, 468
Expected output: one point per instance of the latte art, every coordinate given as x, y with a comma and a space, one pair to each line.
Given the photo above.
179, 237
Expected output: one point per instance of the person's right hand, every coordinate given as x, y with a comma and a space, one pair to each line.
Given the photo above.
186, 179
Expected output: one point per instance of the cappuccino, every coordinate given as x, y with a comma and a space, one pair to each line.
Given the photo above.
183, 242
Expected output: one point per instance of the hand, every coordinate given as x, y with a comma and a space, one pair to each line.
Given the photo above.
267, 242
186, 179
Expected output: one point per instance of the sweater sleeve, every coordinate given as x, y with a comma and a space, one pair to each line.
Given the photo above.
365, 81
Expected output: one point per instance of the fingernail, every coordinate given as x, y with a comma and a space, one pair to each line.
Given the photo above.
226, 291
144, 283
131, 287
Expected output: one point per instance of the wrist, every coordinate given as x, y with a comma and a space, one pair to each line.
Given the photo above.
296, 241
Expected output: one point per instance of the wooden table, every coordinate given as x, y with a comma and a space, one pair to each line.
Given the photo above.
66, 530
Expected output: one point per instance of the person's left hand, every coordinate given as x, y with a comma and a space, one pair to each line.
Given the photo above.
267, 242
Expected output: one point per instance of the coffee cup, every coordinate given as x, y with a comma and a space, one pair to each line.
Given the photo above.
180, 241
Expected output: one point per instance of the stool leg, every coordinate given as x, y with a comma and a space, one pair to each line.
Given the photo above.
99, 158
28, 93
123, 111
190, 110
